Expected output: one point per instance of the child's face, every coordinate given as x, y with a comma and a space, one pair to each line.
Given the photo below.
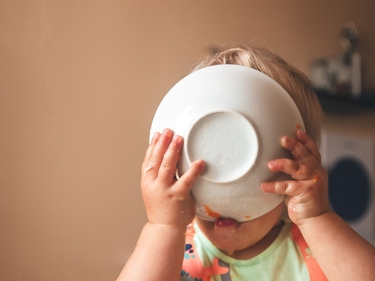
234, 237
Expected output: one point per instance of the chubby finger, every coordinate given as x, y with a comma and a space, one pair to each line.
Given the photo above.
168, 166
155, 156
309, 144
290, 187
186, 181
149, 149
295, 147
296, 170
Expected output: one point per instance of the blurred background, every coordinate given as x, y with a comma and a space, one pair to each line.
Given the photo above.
79, 84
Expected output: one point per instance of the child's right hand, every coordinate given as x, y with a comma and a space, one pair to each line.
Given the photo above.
167, 200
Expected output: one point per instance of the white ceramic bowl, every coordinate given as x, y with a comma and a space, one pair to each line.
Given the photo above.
232, 117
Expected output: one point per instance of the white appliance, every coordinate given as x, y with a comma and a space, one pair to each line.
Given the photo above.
349, 161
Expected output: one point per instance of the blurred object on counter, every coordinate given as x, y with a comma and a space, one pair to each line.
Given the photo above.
340, 75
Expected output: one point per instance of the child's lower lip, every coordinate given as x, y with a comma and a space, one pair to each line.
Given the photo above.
224, 222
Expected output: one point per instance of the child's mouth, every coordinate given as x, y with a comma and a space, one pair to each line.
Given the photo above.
224, 222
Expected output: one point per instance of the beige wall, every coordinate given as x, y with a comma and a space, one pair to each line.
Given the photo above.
79, 83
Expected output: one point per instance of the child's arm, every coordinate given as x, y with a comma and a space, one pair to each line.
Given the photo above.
170, 208
340, 251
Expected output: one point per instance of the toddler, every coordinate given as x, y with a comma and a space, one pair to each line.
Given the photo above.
313, 243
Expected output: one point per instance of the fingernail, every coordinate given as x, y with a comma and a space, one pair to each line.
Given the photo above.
266, 187
155, 137
177, 141
302, 136
201, 163
284, 139
167, 133
271, 163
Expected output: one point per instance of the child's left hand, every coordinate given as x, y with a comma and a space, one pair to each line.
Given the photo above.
308, 190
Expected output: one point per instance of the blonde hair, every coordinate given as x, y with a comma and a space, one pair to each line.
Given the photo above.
290, 78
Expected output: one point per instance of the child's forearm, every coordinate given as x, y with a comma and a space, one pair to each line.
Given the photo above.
340, 251
157, 256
